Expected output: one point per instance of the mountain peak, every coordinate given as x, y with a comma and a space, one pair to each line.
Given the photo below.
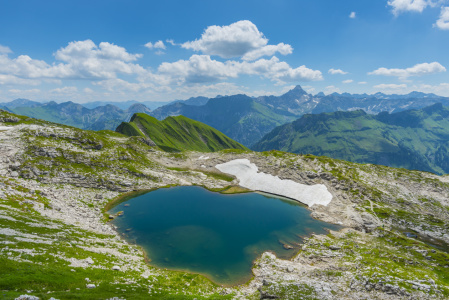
296, 91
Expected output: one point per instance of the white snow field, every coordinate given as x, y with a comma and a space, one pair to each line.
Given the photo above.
246, 173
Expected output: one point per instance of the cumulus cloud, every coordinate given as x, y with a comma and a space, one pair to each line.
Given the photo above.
240, 39
198, 69
234, 40
443, 21
171, 42
158, 45
352, 15
268, 50
79, 60
337, 71
399, 6
416, 70
123, 86
65, 90
201, 68
4, 49
14, 80
362, 82
331, 89
390, 87
348, 81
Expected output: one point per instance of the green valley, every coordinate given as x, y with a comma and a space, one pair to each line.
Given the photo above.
413, 139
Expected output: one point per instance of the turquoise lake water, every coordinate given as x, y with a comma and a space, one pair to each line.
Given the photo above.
192, 229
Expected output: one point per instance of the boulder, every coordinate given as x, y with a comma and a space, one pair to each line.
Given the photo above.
89, 260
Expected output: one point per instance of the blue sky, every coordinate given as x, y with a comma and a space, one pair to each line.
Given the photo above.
164, 50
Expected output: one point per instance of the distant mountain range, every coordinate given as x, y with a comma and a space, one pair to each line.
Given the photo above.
247, 119
178, 134
239, 117
242, 118
412, 139
73, 114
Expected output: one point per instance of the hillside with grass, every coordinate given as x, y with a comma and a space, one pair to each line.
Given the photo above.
240, 117
412, 139
58, 184
178, 133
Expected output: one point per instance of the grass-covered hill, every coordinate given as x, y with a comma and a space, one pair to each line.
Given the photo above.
178, 134
240, 117
412, 139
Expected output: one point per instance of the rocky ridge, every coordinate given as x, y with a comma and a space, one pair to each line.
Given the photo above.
55, 182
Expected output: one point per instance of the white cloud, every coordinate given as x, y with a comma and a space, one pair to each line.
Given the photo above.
4, 49
352, 15
88, 90
158, 45
348, 81
14, 80
80, 60
201, 68
408, 5
416, 70
443, 21
391, 87
337, 71
440, 89
234, 40
120, 85
171, 42
309, 89
362, 82
268, 50
240, 39
65, 90
331, 89
24, 92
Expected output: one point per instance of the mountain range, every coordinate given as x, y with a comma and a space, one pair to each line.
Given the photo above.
412, 139
247, 119
74, 114
242, 118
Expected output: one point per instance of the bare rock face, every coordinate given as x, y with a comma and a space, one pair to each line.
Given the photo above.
9, 119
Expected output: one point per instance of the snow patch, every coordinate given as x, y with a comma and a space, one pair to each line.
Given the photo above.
249, 177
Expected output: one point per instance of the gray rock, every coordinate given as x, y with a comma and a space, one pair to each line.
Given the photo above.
116, 268
89, 260
27, 297
90, 286
14, 174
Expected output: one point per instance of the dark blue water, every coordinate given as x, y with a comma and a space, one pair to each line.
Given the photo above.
193, 229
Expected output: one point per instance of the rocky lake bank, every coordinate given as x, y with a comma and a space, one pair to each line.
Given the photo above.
55, 182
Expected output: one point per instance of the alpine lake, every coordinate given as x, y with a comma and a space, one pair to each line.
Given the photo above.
189, 228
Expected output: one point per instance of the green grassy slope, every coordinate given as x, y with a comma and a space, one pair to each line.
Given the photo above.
178, 133
414, 139
239, 117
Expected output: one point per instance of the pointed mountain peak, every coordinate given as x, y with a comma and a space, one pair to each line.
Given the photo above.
296, 91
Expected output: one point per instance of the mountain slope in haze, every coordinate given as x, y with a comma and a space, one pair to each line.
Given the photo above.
74, 114
239, 117
412, 139
178, 133
247, 119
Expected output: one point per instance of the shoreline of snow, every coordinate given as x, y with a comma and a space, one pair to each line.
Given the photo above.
249, 177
